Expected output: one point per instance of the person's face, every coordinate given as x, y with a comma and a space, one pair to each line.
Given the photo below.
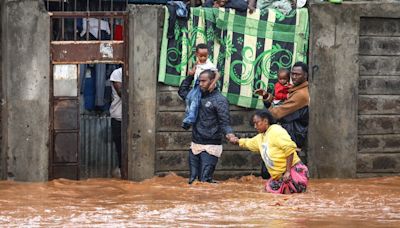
298, 75
202, 55
260, 124
283, 78
204, 82
222, 3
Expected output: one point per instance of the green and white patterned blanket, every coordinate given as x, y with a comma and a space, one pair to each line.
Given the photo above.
248, 49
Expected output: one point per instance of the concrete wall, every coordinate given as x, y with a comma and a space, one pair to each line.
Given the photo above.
25, 90
354, 121
157, 143
143, 54
3, 170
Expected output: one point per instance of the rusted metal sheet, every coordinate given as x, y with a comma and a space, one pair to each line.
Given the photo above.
66, 147
87, 52
97, 150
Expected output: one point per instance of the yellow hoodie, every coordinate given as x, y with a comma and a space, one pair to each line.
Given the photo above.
275, 145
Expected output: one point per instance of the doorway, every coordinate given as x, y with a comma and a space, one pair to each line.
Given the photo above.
81, 144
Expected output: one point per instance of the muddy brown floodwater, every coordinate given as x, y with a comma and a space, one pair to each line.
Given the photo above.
170, 201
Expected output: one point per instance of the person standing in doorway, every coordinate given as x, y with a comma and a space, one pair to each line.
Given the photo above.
116, 116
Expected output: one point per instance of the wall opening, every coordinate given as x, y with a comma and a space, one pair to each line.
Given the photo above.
86, 48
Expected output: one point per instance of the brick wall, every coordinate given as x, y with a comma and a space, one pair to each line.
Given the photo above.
379, 97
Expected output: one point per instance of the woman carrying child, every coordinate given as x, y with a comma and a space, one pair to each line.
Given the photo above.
278, 151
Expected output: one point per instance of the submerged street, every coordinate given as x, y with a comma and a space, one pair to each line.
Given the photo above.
170, 201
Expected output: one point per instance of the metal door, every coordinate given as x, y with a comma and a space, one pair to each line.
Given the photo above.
66, 55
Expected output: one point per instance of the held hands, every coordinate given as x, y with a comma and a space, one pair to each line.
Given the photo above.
232, 138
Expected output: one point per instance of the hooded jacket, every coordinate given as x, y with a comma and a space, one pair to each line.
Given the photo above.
213, 119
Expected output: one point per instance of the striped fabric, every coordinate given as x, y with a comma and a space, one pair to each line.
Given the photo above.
248, 49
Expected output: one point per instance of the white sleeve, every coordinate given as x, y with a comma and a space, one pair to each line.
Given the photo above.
210, 66
116, 75
214, 68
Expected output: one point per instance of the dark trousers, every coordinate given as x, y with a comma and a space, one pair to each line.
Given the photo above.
202, 166
264, 171
116, 135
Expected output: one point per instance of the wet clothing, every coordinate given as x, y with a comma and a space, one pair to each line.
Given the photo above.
296, 124
275, 145
264, 171
293, 115
202, 166
297, 184
213, 121
211, 125
215, 150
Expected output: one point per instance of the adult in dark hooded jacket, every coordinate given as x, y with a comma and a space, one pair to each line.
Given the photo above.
211, 125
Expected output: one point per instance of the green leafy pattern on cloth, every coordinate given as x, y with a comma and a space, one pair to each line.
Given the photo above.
248, 49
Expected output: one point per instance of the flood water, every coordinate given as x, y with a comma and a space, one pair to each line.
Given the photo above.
170, 201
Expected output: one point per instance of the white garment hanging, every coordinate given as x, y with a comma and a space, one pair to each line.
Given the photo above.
94, 26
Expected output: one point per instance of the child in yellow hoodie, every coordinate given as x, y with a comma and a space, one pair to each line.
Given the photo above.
278, 151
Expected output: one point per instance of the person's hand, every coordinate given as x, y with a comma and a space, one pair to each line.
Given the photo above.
192, 71
232, 138
235, 140
287, 177
263, 93
212, 86
260, 92
214, 82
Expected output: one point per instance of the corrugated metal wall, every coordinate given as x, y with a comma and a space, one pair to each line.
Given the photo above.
97, 151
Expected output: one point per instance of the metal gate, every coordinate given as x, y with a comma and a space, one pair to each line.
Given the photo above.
69, 48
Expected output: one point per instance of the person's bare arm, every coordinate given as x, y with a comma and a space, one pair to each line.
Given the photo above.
289, 161
118, 88
192, 71
214, 82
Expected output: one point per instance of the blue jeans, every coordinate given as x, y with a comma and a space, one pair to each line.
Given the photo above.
192, 105
202, 166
